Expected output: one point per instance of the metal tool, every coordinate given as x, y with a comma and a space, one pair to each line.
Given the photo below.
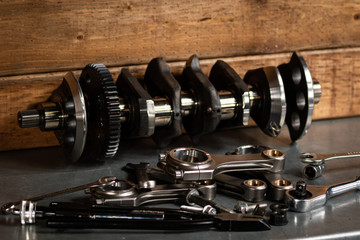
126, 193
77, 215
154, 219
87, 116
191, 164
8, 208
316, 162
305, 198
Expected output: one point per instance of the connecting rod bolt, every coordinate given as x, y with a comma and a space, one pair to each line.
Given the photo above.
207, 209
245, 208
193, 197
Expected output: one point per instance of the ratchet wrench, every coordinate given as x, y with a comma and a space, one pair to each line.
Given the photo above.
316, 162
191, 164
305, 198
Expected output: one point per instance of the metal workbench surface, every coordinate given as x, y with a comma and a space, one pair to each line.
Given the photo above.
29, 173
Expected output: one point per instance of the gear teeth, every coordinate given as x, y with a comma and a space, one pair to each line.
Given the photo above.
109, 95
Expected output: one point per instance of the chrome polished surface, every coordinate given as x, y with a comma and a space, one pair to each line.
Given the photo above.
316, 162
278, 102
338, 219
317, 195
192, 164
79, 115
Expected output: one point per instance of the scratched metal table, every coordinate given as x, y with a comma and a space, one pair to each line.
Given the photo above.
30, 173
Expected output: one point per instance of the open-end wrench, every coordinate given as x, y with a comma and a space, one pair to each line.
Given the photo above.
191, 164
104, 181
30, 203
305, 198
316, 162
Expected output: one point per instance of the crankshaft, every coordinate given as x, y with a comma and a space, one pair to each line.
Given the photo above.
90, 115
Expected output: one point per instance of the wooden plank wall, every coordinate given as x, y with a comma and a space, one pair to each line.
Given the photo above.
41, 40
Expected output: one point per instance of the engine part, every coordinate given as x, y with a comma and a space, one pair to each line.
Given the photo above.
191, 164
316, 162
9, 207
278, 216
301, 95
193, 197
126, 193
207, 115
206, 209
87, 116
143, 181
269, 109
251, 190
277, 184
65, 112
168, 109
245, 208
305, 198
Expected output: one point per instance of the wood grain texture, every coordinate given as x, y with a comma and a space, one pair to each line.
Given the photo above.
337, 70
61, 35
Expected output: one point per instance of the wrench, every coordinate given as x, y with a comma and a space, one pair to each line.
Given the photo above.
9, 208
191, 164
316, 162
305, 198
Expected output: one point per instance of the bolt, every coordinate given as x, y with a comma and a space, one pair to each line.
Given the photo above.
278, 216
245, 208
209, 110
162, 157
300, 189
207, 209
193, 197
